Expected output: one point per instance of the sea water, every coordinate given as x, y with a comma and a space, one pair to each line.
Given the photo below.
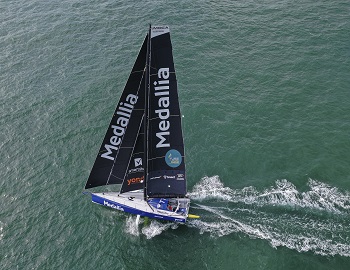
264, 91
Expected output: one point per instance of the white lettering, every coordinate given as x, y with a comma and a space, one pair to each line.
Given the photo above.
116, 129
122, 121
163, 102
132, 99
165, 93
164, 125
163, 114
108, 148
163, 73
115, 140
124, 111
162, 139
117, 207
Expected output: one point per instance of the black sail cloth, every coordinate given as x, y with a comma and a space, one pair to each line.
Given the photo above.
147, 118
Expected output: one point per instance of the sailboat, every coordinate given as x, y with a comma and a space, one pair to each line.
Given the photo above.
143, 149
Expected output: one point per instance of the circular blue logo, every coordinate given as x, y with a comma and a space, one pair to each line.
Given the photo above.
173, 158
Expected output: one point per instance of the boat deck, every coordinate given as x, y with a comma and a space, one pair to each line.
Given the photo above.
133, 202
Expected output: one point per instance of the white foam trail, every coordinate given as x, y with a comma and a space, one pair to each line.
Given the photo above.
320, 195
155, 228
299, 230
320, 237
150, 230
326, 233
1, 230
131, 227
226, 225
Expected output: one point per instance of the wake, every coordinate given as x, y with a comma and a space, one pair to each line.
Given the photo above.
320, 196
315, 220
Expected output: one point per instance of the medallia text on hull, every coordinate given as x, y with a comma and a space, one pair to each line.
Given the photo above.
143, 151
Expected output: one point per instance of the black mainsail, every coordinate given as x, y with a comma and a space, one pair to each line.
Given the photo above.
166, 167
143, 147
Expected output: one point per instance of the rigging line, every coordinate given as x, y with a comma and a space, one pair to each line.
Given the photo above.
171, 115
136, 71
147, 102
157, 157
116, 177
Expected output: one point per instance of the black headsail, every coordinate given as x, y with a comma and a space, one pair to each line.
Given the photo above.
120, 155
166, 165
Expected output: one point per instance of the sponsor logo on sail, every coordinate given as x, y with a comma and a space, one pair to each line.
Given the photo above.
169, 177
138, 162
160, 27
161, 91
180, 176
135, 170
159, 30
135, 180
124, 112
173, 158
155, 177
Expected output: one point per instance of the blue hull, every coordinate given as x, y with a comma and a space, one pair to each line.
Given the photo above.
127, 209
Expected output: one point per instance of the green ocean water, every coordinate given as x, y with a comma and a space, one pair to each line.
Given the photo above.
264, 88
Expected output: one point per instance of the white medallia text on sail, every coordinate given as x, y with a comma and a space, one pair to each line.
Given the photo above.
161, 90
124, 110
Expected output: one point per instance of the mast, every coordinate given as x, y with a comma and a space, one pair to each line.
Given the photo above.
146, 113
